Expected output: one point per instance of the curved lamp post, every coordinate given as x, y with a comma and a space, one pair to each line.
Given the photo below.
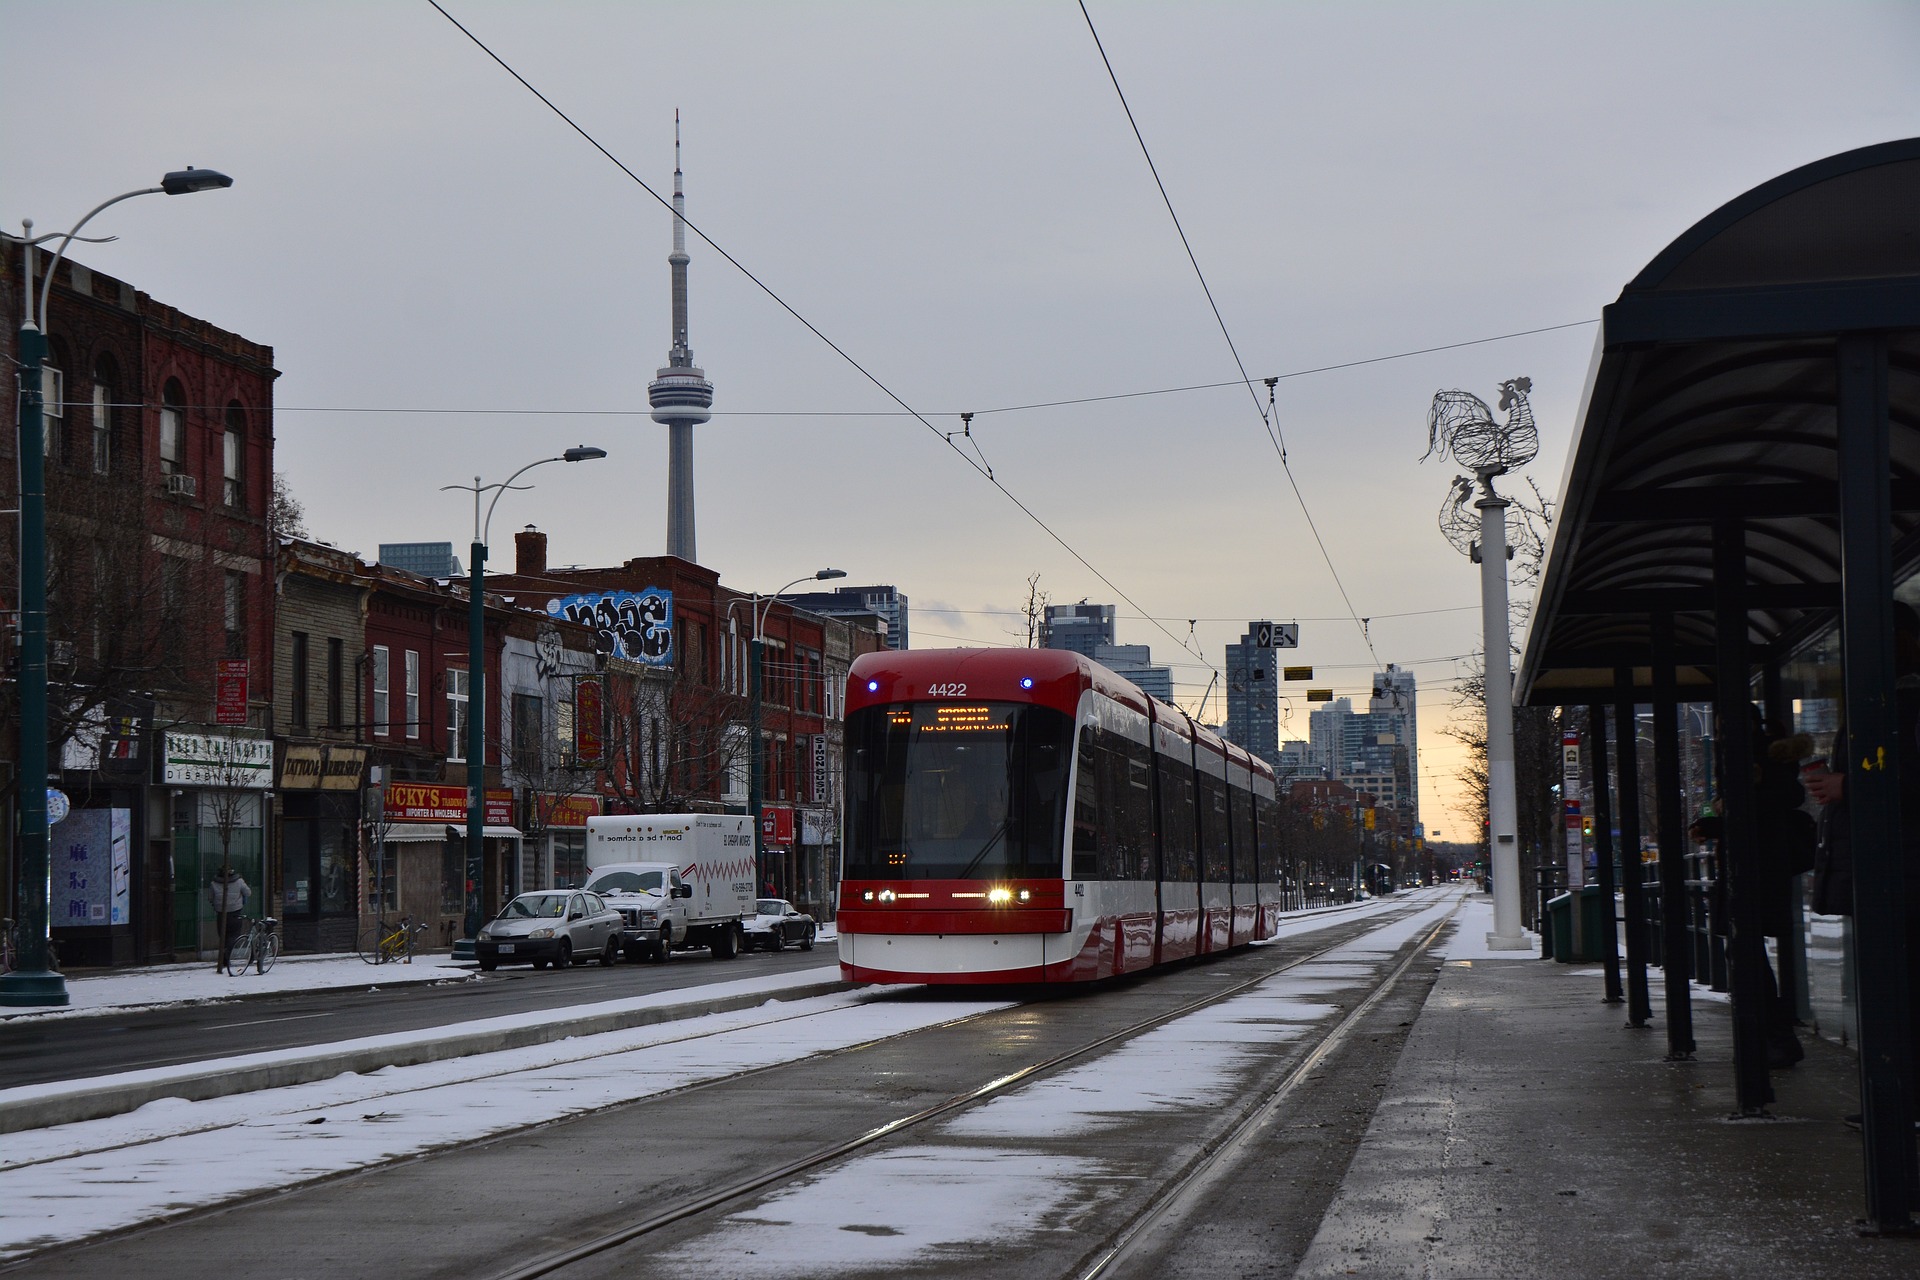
33, 982
755, 650
477, 685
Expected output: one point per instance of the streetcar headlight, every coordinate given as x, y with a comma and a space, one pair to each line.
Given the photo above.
999, 897
1025, 894
886, 895
541, 933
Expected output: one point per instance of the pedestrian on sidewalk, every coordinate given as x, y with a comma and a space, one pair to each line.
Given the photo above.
228, 891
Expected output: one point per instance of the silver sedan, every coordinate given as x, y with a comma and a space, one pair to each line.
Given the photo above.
550, 926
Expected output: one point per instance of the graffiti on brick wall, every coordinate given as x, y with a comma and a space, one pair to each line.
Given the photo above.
637, 624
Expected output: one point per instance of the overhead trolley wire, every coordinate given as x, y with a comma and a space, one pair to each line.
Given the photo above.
978, 466
1268, 419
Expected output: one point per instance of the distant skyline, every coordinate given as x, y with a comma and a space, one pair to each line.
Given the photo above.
454, 282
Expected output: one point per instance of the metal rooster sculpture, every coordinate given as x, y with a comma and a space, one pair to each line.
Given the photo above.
1459, 423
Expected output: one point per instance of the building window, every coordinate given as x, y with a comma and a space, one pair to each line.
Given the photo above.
297, 692
336, 680
53, 410
527, 741
456, 713
236, 614
380, 657
173, 428
233, 489
412, 692
103, 381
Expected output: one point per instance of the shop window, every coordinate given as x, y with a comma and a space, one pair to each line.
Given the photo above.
569, 859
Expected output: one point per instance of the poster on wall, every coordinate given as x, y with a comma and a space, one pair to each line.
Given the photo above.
91, 875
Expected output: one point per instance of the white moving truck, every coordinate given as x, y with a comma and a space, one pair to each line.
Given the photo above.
678, 880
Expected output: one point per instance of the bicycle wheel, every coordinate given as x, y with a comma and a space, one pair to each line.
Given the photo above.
240, 955
269, 951
370, 944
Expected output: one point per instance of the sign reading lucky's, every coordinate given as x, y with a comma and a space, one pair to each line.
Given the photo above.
434, 802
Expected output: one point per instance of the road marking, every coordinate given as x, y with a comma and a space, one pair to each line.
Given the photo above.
258, 1022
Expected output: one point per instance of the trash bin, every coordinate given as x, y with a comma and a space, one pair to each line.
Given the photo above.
1593, 919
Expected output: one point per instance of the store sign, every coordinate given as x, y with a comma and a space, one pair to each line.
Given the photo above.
319, 767
776, 826
230, 691
216, 760
436, 802
816, 827
566, 811
589, 720
638, 624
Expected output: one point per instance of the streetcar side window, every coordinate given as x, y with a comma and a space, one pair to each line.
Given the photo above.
1113, 808
1177, 860
1215, 862
1089, 803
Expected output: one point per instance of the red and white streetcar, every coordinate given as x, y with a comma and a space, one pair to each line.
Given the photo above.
1026, 815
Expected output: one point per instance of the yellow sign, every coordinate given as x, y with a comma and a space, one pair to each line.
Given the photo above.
1319, 695
1297, 673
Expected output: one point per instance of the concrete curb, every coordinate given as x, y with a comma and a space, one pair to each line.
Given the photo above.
95, 1099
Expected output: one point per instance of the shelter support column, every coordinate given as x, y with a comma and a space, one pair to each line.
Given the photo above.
1603, 846
1671, 825
1793, 947
1626, 730
1740, 832
1871, 718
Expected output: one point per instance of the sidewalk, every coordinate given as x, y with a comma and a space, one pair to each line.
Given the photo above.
1526, 1132
118, 990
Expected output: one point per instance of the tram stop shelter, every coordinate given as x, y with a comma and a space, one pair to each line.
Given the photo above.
1745, 482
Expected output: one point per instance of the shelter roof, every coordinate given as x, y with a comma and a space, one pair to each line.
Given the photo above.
1712, 394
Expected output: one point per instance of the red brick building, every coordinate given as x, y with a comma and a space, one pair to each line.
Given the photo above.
160, 565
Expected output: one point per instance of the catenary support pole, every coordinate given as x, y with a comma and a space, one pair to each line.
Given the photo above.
1671, 828
1626, 744
1740, 832
1502, 833
1603, 847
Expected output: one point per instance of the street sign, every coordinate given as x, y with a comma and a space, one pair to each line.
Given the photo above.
1275, 635
58, 806
1297, 673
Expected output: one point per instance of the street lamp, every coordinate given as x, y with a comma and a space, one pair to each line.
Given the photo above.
755, 649
477, 684
33, 981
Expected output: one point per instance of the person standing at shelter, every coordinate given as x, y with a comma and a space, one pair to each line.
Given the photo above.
228, 891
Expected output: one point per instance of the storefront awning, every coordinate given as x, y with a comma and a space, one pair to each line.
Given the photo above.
499, 833
413, 832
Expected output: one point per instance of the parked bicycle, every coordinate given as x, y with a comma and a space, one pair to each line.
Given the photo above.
10, 949
259, 947
382, 943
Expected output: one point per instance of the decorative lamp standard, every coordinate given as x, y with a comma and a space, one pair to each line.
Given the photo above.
755, 650
33, 981
477, 685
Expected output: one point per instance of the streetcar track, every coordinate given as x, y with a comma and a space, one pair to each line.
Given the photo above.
1217, 1158
711, 1200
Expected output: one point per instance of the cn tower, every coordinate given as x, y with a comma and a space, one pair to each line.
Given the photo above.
680, 394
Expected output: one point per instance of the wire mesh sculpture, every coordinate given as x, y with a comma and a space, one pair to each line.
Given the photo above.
1460, 424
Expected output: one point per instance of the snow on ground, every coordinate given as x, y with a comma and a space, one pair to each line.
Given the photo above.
986, 1177
73, 1181
199, 984
1469, 940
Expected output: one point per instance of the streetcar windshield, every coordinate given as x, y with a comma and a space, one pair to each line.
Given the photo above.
956, 791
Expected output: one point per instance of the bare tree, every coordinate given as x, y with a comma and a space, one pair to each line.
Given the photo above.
1035, 610
672, 741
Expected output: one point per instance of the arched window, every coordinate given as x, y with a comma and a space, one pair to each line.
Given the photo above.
173, 429
233, 490
106, 378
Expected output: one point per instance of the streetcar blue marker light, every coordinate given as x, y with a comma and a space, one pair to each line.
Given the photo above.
873, 686
1026, 682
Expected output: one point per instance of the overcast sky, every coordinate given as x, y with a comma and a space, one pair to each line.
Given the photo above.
953, 195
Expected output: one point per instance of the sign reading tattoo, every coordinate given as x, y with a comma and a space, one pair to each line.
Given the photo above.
639, 624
